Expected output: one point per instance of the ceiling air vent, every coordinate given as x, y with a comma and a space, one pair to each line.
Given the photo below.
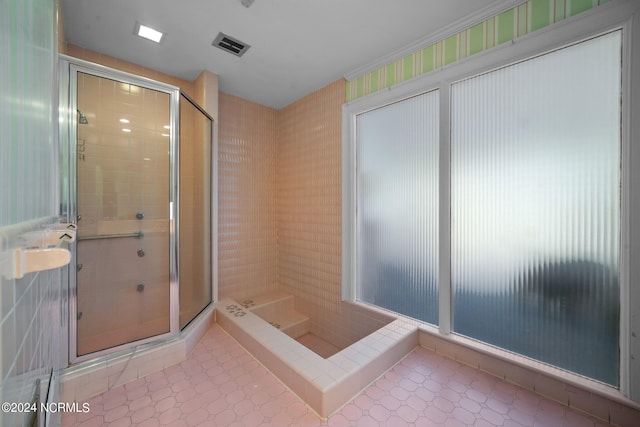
230, 44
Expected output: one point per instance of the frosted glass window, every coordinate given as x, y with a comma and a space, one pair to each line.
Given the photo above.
397, 220
535, 176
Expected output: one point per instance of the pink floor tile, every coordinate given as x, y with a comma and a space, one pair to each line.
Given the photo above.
222, 385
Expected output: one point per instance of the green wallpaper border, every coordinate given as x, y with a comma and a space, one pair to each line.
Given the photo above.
516, 22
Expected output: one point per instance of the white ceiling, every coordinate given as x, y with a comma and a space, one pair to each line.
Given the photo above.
297, 46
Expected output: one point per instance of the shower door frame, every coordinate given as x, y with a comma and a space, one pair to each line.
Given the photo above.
69, 69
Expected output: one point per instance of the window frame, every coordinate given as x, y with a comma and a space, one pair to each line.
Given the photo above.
425, 93
614, 15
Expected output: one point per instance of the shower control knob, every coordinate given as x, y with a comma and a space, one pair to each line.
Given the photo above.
140, 215
141, 253
140, 287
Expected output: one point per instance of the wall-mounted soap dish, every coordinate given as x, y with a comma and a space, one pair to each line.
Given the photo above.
43, 250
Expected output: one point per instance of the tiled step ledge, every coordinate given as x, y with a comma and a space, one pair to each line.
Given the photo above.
290, 322
277, 308
264, 300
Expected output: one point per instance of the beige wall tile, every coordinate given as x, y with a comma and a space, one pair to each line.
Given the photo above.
247, 232
308, 186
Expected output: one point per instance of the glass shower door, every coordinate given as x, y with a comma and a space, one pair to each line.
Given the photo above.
195, 211
123, 213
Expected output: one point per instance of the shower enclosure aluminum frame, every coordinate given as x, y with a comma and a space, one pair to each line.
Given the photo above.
69, 68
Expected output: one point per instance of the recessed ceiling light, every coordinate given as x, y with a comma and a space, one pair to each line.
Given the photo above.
149, 33
124, 121
126, 130
167, 127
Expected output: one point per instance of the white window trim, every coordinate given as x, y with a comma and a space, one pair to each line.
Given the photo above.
624, 14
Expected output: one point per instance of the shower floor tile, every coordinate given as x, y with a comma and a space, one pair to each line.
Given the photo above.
220, 384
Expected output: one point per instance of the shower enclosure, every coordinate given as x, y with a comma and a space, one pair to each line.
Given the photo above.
138, 178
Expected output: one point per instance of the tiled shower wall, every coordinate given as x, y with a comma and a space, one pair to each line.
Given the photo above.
280, 207
31, 318
247, 244
308, 183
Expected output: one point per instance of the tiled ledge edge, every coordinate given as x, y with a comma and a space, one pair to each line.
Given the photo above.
324, 384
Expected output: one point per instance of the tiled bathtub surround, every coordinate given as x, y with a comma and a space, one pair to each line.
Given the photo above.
278, 309
324, 384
